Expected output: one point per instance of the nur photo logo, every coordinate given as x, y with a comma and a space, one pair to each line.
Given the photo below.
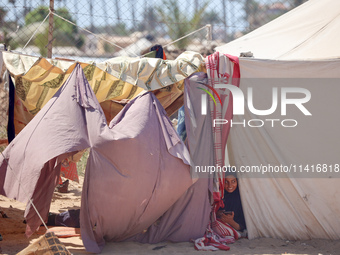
297, 97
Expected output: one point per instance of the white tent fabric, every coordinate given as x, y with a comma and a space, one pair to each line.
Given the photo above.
290, 205
309, 31
299, 49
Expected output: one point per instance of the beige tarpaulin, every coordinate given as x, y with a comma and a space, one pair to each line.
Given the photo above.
116, 80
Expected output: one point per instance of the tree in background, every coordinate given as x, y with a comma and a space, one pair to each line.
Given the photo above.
150, 20
15, 11
3, 34
64, 33
116, 29
257, 14
298, 2
178, 23
91, 15
132, 4
38, 15
40, 42
117, 10
7, 30
253, 14
3, 14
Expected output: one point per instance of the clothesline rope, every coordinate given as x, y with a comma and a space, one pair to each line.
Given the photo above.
36, 30
138, 20
209, 36
208, 27
30, 200
51, 12
91, 32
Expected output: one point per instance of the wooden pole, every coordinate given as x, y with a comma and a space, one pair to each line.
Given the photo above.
50, 30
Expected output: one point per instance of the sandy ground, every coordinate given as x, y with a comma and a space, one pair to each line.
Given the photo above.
14, 240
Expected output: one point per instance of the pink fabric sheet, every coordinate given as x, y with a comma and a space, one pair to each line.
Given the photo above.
137, 168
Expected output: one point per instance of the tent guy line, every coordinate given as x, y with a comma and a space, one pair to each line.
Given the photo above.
30, 200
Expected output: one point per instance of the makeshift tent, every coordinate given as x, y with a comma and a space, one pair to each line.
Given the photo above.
147, 168
289, 207
297, 50
138, 156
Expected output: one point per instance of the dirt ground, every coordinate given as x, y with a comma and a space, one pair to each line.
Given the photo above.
14, 240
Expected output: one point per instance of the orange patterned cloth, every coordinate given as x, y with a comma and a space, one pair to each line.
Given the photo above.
69, 170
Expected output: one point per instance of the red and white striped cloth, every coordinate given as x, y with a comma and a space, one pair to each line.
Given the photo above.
68, 170
221, 69
223, 229
213, 242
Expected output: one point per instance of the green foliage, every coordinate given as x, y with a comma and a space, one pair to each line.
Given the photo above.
64, 33
60, 24
211, 17
3, 14
81, 164
108, 48
120, 29
254, 14
8, 38
3, 135
80, 41
178, 22
6, 28
150, 20
257, 14
41, 41
37, 15
117, 29
3, 131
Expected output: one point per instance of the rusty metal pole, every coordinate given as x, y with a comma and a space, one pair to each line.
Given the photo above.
50, 30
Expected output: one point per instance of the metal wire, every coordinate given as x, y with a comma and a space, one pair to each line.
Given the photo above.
111, 26
119, 23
